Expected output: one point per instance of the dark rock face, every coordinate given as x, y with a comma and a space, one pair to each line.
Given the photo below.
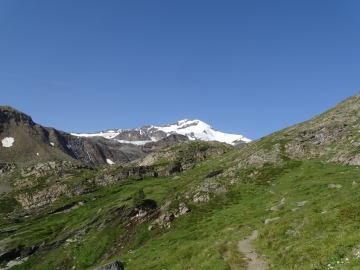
34, 142
141, 134
116, 265
213, 174
96, 150
164, 143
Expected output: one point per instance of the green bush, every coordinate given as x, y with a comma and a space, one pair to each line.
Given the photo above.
139, 197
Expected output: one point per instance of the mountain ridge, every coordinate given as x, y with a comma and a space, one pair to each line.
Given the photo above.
24, 140
193, 129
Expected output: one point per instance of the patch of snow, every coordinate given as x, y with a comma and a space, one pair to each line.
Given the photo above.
109, 161
108, 135
7, 142
88, 155
134, 142
68, 146
37, 154
52, 144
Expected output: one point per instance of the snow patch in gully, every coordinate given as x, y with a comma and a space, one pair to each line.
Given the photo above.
7, 142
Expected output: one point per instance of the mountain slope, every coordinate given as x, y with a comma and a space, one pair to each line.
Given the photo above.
30, 141
22, 140
298, 187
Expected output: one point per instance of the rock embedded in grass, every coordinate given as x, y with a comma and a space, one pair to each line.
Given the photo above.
334, 186
269, 220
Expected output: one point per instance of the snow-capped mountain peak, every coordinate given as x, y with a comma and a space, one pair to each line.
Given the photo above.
193, 129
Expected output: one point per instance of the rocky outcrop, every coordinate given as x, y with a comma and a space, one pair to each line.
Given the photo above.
202, 192
165, 219
7, 168
166, 142
116, 265
185, 155
43, 197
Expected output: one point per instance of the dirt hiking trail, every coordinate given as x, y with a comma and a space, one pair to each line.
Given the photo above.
252, 258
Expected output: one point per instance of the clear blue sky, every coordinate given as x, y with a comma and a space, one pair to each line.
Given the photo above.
243, 67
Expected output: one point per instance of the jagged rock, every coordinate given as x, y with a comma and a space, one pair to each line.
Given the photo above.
116, 265
43, 197
202, 192
181, 210
165, 219
49, 195
201, 197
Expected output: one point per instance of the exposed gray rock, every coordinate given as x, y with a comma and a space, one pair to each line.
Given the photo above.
269, 220
9, 230
198, 197
116, 265
15, 262
290, 232
334, 186
276, 207
168, 141
165, 219
183, 209
202, 192
301, 204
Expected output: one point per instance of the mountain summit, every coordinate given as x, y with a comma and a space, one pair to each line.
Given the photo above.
193, 129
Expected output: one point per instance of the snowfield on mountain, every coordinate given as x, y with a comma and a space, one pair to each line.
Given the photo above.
193, 129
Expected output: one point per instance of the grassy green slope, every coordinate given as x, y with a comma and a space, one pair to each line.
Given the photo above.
289, 175
321, 232
318, 234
